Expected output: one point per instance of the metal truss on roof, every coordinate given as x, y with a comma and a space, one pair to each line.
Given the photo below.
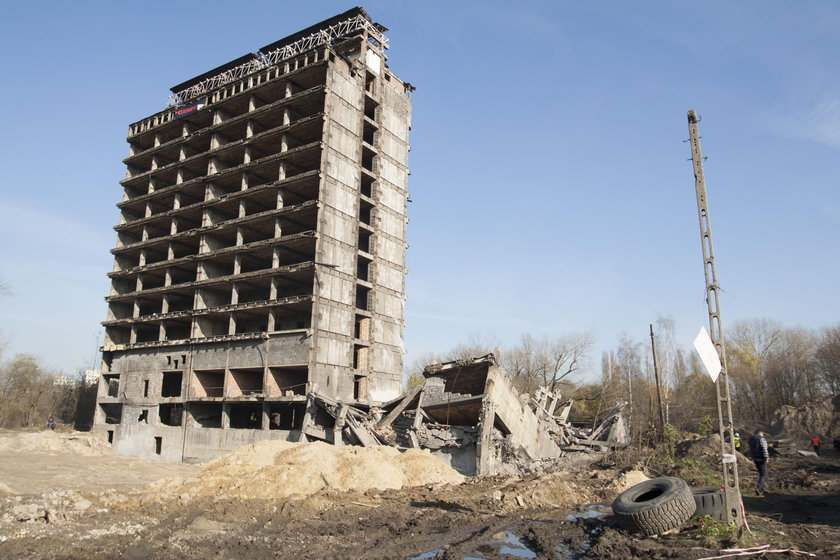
263, 60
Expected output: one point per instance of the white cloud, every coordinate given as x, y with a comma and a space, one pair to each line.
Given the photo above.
819, 122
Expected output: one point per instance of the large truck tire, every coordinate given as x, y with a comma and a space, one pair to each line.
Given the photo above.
654, 506
711, 502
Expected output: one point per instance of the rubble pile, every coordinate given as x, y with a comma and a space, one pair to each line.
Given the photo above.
468, 415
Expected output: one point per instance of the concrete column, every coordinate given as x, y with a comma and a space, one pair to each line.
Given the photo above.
225, 416
142, 261
164, 306
485, 456
240, 237
242, 209
154, 162
232, 324
157, 140
162, 331
136, 311
265, 410
167, 281
249, 129
281, 173
247, 157
287, 116
280, 198
179, 177
275, 263
133, 337
234, 292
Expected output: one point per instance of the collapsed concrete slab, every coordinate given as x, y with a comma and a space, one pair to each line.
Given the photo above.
470, 416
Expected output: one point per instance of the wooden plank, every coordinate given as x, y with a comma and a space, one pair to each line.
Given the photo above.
409, 397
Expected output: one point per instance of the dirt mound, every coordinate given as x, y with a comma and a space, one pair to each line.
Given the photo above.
281, 469
48, 441
820, 419
707, 449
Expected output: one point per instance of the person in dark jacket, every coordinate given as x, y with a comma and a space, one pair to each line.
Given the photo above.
760, 456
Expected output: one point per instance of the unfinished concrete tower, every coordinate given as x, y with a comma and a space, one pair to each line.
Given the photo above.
261, 247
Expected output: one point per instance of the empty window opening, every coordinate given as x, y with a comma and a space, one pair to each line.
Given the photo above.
112, 413
171, 414
363, 269
370, 108
359, 387
362, 298
287, 382
364, 212
246, 416
145, 388
112, 382
111, 436
209, 383
364, 243
177, 330
286, 416
144, 416
206, 415
148, 333
246, 382
360, 357
369, 133
171, 385
158, 444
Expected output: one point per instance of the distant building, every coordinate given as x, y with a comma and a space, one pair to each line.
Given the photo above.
261, 247
63, 380
91, 377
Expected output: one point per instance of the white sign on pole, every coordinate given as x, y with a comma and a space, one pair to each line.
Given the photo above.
708, 355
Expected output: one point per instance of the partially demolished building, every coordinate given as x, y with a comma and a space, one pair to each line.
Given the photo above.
258, 282
261, 247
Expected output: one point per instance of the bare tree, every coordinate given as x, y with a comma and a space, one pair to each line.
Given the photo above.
827, 359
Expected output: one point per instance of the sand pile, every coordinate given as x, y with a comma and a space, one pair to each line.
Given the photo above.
48, 441
281, 469
799, 424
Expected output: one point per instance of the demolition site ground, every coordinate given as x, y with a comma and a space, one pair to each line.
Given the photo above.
68, 496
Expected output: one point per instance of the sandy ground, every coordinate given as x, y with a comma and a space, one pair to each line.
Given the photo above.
62, 504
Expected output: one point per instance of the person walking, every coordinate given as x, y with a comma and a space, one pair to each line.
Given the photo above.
760, 455
815, 443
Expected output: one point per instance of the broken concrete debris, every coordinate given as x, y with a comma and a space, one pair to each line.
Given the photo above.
467, 414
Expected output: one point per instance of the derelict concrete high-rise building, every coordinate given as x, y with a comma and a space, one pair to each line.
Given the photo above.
261, 247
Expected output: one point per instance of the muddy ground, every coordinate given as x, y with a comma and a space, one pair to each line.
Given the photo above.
59, 504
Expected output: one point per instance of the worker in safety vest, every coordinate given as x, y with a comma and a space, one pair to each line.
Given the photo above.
815, 442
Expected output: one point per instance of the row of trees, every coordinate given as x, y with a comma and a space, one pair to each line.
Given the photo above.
29, 396
769, 366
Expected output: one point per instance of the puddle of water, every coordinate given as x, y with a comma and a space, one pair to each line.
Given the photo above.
591, 512
427, 555
517, 548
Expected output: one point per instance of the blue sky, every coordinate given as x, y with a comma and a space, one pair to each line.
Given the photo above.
550, 183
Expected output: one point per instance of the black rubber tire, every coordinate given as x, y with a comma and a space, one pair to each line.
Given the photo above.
711, 502
654, 506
